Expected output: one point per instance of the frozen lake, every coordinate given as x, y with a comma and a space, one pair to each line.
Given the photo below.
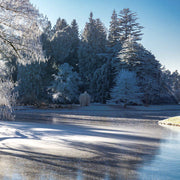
96, 142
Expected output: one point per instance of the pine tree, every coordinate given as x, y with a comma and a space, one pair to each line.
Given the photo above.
60, 25
128, 56
30, 84
148, 75
47, 47
114, 46
101, 82
65, 43
73, 56
61, 43
64, 88
114, 33
126, 90
169, 83
93, 45
134, 57
128, 25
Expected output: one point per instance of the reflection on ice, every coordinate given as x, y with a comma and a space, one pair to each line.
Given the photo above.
88, 144
166, 163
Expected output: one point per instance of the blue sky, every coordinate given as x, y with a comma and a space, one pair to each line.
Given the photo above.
160, 18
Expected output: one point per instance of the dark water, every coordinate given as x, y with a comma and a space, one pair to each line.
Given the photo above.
151, 151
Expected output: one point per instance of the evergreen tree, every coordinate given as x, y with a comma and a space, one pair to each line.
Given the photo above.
169, 81
101, 82
64, 88
126, 90
114, 33
30, 84
175, 80
46, 37
60, 25
128, 56
128, 25
65, 42
73, 56
134, 57
114, 46
61, 43
148, 75
93, 45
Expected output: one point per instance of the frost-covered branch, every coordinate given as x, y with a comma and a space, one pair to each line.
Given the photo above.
17, 19
7, 100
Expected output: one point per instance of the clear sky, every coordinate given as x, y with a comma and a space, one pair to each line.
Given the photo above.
160, 18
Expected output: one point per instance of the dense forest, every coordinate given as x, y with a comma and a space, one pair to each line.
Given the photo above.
45, 64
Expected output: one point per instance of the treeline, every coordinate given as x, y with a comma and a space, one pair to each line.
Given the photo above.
111, 66
97, 57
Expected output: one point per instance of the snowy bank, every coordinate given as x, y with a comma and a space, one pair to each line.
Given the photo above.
174, 121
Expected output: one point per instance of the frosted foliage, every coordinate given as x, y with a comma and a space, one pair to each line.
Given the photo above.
17, 18
65, 86
92, 46
61, 43
129, 49
7, 100
126, 89
114, 30
100, 83
128, 56
128, 25
29, 82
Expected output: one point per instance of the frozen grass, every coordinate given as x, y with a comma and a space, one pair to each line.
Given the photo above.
174, 121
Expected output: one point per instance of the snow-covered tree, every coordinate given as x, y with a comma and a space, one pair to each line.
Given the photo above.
114, 46
93, 44
128, 25
30, 82
60, 24
127, 58
73, 55
7, 93
175, 80
31, 67
176, 85
101, 81
114, 33
134, 57
7, 99
16, 20
148, 75
61, 41
169, 91
64, 88
64, 42
46, 37
126, 90
20, 30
